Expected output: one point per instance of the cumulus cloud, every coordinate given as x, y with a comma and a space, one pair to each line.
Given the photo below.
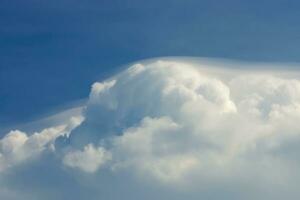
206, 118
88, 160
18, 146
189, 126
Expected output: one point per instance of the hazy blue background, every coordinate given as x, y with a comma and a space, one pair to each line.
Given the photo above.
52, 50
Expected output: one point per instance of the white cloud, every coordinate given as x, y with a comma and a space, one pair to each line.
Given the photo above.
88, 160
174, 119
18, 146
153, 148
185, 125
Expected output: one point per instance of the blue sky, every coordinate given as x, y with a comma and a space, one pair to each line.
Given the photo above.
51, 51
209, 114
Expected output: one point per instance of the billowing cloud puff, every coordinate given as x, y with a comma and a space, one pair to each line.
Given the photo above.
88, 160
192, 127
17, 146
169, 118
